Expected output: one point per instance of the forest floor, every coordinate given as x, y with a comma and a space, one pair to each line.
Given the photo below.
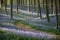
29, 22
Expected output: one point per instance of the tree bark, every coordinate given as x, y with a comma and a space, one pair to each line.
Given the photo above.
1, 3
11, 3
43, 3
17, 6
5, 6
39, 9
47, 11
56, 12
52, 6
28, 3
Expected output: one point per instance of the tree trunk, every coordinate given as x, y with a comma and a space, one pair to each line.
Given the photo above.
56, 12
39, 9
59, 12
28, 3
11, 2
43, 3
19, 2
5, 2
17, 6
47, 11
1, 3
52, 6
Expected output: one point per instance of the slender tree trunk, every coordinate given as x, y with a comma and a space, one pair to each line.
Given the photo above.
59, 5
11, 2
34, 3
28, 3
17, 6
31, 2
39, 9
1, 3
5, 6
47, 11
19, 2
23, 2
59, 10
52, 6
56, 12
43, 3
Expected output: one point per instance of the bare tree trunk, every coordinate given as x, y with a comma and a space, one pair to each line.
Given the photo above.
39, 9
17, 6
23, 2
59, 11
1, 3
56, 12
34, 3
28, 3
43, 3
52, 6
11, 3
5, 6
47, 11
31, 2
59, 5
19, 2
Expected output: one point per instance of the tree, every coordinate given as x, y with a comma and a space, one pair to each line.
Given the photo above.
17, 6
2, 3
56, 12
47, 11
19, 2
5, 2
59, 5
28, 3
39, 9
52, 6
11, 3
34, 3
59, 9
43, 3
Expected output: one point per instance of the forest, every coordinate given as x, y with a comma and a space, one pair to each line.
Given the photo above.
30, 19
